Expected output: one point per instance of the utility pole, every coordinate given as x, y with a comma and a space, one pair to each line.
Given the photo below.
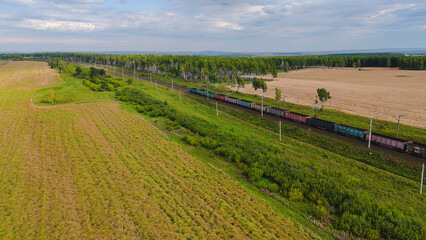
172, 83
180, 97
280, 131
398, 119
122, 73
134, 69
207, 90
421, 181
262, 103
369, 138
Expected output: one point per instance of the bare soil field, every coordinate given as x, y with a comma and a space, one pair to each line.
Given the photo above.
370, 92
95, 171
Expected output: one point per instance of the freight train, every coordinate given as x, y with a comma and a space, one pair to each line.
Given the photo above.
402, 145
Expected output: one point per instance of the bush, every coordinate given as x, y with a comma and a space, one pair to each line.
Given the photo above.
255, 174
50, 96
295, 195
191, 140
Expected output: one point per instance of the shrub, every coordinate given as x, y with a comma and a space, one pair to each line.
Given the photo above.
295, 195
50, 96
191, 140
255, 174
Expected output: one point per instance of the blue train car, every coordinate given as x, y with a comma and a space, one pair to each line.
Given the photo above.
244, 103
350, 131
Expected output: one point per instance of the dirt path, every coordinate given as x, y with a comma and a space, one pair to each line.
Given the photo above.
371, 92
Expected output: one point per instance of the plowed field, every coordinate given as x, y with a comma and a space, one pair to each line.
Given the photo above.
370, 92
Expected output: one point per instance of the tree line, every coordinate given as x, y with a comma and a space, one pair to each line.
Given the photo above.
227, 69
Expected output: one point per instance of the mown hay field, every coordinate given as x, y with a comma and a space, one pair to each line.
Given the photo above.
371, 92
94, 171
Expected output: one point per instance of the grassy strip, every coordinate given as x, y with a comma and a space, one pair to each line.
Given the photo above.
400, 167
72, 91
293, 169
379, 126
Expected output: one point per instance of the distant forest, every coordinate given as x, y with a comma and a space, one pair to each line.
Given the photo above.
227, 69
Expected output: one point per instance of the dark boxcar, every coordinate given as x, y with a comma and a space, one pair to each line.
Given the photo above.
321, 124
219, 96
387, 141
258, 107
416, 149
297, 117
231, 100
350, 131
244, 103
276, 111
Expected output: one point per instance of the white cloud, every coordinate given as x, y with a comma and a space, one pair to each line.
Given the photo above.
57, 25
228, 25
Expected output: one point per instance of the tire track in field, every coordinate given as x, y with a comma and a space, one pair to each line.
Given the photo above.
165, 171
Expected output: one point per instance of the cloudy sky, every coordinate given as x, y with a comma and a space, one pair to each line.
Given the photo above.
196, 25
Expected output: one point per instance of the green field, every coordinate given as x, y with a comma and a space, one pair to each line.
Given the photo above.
370, 188
95, 165
85, 168
379, 126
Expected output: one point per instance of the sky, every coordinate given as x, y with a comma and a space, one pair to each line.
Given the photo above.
199, 25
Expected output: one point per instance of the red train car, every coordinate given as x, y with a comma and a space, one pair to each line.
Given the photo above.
297, 117
387, 141
219, 96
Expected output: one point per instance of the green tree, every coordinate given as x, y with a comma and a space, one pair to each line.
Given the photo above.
50, 96
78, 71
278, 96
286, 66
322, 96
388, 63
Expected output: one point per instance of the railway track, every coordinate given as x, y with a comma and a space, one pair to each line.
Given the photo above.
361, 144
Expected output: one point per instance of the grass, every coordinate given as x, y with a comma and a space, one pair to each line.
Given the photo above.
402, 76
93, 170
72, 91
382, 187
379, 126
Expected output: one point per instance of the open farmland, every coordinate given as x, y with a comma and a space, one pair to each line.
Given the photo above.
370, 92
94, 171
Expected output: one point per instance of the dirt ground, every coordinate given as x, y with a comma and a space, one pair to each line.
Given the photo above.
370, 92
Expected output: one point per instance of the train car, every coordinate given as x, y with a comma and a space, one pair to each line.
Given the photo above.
258, 107
211, 95
387, 141
321, 124
297, 117
193, 90
219, 96
244, 103
201, 92
276, 111
416, 148
350, 131
231, 100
